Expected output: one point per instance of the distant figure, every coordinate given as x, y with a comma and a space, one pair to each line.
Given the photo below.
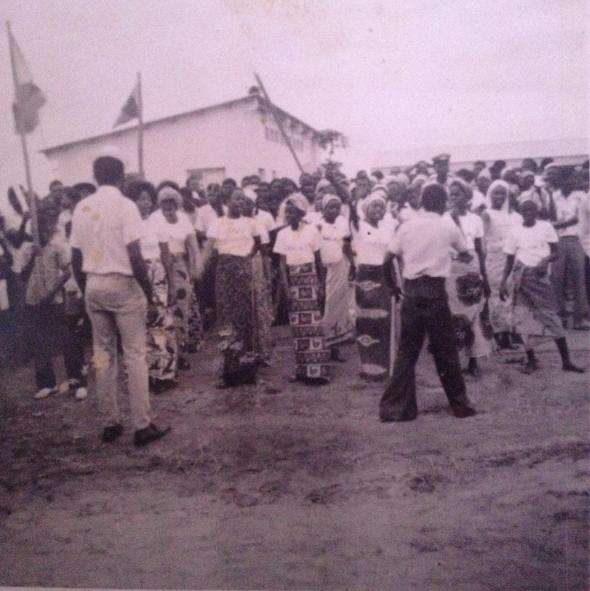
110, 270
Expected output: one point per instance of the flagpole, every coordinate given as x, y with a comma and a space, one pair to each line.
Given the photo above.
279, 123
140, 127
32, 201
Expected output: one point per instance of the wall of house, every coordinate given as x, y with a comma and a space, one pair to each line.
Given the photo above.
233, 141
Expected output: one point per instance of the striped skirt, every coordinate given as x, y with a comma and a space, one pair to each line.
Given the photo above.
305, 317
338, 318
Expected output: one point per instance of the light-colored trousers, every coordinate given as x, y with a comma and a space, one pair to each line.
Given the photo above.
116, 304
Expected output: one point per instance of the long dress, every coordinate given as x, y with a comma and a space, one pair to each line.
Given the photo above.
496, 231
466, 298
338, 317
373, 299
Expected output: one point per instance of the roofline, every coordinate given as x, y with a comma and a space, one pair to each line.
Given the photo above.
146, 125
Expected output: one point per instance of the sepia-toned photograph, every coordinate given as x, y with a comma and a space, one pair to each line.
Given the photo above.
295, 295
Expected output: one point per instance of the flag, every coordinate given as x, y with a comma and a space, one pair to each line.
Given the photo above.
130, 109
28, 96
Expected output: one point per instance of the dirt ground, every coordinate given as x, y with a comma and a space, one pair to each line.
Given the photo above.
281, 486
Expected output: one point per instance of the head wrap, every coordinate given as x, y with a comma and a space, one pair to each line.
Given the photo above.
168, 193
485, 173
465, 187
390, 178
419, 180
298, 201
403, 179
375, 196
322, 184
526, 173
329, 198
498, 183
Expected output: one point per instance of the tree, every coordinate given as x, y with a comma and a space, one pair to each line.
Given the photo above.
331, 140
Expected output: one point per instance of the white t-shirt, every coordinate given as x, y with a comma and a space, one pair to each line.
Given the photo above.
530, 245
266, 224
471, 226
370, 244
206, 215
174, 234
333, 236
299, 245
102, 226
567, 208
152, 233
425, 244
234, 236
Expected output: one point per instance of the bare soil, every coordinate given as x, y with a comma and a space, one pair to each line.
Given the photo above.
282, 486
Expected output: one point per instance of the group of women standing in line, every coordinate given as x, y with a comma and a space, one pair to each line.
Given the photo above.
335, 271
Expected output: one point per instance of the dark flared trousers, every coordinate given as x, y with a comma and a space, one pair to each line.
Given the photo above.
425, 311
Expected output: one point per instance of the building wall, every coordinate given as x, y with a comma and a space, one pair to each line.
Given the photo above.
229, 141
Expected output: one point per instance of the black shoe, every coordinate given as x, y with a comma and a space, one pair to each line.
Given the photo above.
463, 412
111, 433
390, 418
161, 386
149, 434
183, 364
571, 367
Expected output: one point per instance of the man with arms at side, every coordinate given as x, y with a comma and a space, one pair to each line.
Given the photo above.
424, 245
111, 272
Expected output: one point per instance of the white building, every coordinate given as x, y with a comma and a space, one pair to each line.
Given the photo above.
563, 151
232, 139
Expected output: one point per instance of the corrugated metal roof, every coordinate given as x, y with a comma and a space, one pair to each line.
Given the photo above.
172, 118
487, 152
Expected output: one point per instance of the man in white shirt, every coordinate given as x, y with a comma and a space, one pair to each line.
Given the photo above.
424, 245
110, 270
568, 269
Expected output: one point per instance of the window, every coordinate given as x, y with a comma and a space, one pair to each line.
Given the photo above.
275, 136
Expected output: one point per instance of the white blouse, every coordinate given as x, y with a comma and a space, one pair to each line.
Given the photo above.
299, 246
333, 235
370, 244
234, 236
174, 234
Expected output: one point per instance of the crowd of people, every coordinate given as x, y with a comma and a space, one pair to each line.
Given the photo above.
481, 260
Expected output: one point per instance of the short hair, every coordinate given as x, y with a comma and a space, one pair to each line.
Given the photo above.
434, 198
135, 188
229, 181
466, 175
378, 175
168, 183
480, 163
85, 187
108, 170
498, 165
55, 182
73, 194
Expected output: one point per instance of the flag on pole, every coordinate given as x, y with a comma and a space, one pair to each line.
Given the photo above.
131, 108
28, 96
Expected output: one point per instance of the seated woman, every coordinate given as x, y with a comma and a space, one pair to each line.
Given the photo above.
298, 245
236, 239
336, 257
162, 350
530, 247
467, 285
374, 284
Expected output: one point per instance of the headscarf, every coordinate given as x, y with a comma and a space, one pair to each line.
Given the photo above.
299, 201
168, 193
419, 180
465, 187
403, 179
375, 196
329, 198
495, 184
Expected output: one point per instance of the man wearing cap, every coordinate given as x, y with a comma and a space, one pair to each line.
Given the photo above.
441, 175
110, 270
424, 244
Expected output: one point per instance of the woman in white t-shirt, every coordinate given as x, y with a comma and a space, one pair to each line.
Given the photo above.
467, 286
236, 239
162, 348
336, 257
298, 245
530, 247
178, 232
261, 278
498, 220
374, 282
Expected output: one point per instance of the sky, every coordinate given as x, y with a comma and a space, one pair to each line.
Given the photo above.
388, 74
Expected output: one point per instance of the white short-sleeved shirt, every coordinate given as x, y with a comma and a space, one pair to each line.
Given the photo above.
206, 215
174, 234
530, 244
370, 244
234, 236
266, 224
471, 226
585, 224
333, 235
103, 225
152, 233
299, 246
425, 244
406, 213
567, 208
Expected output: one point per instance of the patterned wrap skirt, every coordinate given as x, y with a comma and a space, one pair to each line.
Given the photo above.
535, 305
373, 322
305, 317
338, 311
162, 350
500, 311
467, 304
233, 290
262, 310
182, 310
